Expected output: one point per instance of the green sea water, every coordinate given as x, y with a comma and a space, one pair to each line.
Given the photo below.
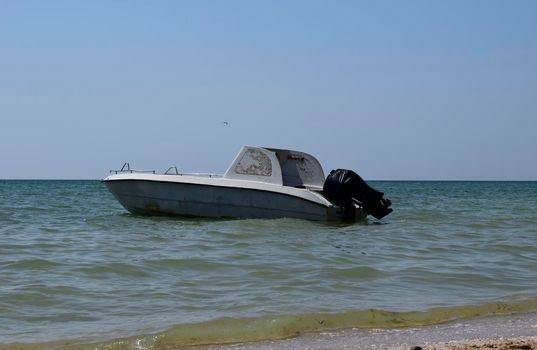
77, 271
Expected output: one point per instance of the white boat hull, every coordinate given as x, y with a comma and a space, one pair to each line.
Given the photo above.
149, 197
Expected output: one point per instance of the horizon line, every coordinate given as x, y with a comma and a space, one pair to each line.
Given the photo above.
386, 180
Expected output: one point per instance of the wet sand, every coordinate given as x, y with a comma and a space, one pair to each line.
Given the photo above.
499, 332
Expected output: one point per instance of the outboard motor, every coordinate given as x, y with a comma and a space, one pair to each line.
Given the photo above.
342, 187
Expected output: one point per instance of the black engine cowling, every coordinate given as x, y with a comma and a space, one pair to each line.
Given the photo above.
342, 187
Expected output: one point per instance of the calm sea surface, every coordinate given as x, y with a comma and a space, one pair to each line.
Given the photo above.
78, 271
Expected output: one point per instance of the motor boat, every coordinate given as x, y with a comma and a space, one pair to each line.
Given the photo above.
259, 183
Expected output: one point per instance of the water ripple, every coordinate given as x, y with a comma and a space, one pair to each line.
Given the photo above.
73, 263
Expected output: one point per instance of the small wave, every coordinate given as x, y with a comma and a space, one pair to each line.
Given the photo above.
233, 330
190, 263
359, 272
120, 269
32, 264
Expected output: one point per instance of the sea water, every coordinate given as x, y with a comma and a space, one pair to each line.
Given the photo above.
77, 271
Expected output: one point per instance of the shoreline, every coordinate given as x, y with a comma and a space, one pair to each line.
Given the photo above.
501, 332
516, 331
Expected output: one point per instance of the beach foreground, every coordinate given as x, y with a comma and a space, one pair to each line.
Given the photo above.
498, 332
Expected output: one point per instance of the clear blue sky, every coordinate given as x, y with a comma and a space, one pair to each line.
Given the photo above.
392, 89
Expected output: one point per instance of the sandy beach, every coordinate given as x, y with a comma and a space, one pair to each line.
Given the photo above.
497, 332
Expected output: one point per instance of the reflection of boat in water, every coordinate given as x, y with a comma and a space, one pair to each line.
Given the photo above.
260, 183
